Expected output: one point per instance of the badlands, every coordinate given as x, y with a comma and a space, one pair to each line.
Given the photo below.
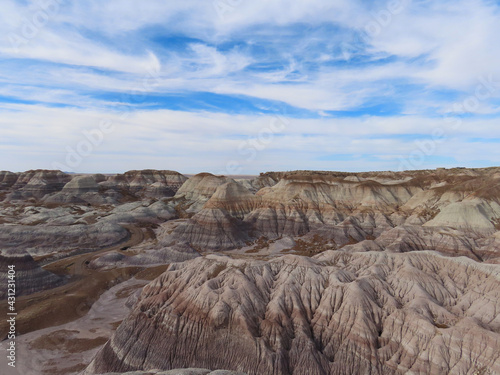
285, 273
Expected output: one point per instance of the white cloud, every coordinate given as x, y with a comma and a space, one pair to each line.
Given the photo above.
193, 142
457, 38
84, 48
456, 55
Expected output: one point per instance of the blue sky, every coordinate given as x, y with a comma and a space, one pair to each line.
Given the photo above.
239, 86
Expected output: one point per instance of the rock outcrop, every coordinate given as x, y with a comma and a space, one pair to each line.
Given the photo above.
345, 209
212, 229
219, 224
257, 183
197, 190
42, 240
81, 185
29, 276
56, 187
322, 272
337, 313
81, 190
476, 213
146, 183
37, 183
7, 179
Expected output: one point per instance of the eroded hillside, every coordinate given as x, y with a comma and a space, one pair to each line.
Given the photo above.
300, 272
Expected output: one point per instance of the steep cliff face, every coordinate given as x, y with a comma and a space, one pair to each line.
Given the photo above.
336, 313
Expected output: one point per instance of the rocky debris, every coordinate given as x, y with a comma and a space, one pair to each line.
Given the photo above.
366, 296
82, 216
39, 215
89, 198
336, 313
299, 205
116, 189
407, 238
29, 276
293, 207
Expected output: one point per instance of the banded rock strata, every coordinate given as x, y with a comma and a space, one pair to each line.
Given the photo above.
59, 187
369, 298
29, 276
347, 209
336, 313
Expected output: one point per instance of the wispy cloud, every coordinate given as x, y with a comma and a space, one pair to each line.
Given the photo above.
193, 78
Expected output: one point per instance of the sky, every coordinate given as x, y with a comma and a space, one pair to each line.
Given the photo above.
242, 87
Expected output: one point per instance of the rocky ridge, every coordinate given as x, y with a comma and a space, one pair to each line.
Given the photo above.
347, 209
320, 272
59, 187
336, 313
